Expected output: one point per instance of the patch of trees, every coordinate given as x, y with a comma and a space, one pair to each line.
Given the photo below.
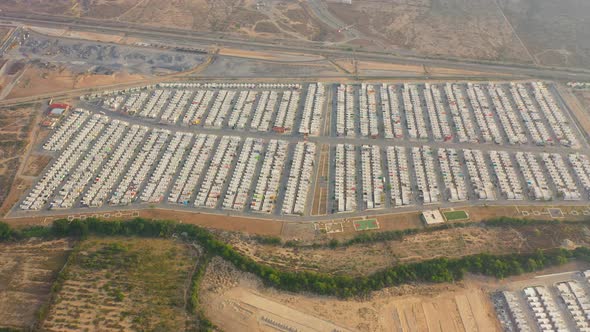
433, 270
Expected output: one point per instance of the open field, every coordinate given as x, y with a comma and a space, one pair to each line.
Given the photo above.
469, 29
269, 19
555, 33
27, 272
15, 128
363, 258
40, 80
237, 301
124, 283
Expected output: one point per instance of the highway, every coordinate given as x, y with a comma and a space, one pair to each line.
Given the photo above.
183, 37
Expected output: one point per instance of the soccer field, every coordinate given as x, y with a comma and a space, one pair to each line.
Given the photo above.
456, 215
363, 225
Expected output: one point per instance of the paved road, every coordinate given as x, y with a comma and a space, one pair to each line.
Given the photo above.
184, 37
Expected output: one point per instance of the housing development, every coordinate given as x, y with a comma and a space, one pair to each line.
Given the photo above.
295, 166
253, 148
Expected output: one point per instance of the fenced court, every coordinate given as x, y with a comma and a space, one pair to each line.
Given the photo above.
367, 224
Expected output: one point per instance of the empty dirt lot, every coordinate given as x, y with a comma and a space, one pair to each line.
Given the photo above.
237, 301
15, 128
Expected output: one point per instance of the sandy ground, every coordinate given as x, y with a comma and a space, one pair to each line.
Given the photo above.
237, 301
40, 81
269, 55
101, 37
579, 103
320, 193
227, 223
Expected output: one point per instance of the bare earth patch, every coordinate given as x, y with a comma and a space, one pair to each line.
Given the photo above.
237, 301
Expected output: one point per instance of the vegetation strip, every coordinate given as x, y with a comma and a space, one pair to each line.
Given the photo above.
433, 270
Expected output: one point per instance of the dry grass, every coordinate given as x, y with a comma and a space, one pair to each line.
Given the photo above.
124, 284
27, 271
471, 29
15, 125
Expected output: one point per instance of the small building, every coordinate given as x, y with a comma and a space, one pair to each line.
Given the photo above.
57, 112
432, 217
48, 123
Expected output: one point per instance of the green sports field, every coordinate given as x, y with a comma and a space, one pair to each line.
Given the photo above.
456, 215
363, 225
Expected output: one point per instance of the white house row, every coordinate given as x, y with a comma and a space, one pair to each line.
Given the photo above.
392, 119
478, 174
508, 118
312, 110
193, 167
264, 111
176, 106
437, 114
101, 188
533, 120
75, 182
241, 180
533, 176
221, 106
581, 165
198, 108
345, 114
484, 115
506, 177
577, 303
155, 103
285, 119
426, 179
267, 187
161, 177
545, 311
452, 175
299, 179
368, 111
217, 174
564, 182
242, 110
460, 113
130, 185
399, 176
413, 110
372, 176
516, 313
66, 130
345, 178
557, 120
65, 163
134, 102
